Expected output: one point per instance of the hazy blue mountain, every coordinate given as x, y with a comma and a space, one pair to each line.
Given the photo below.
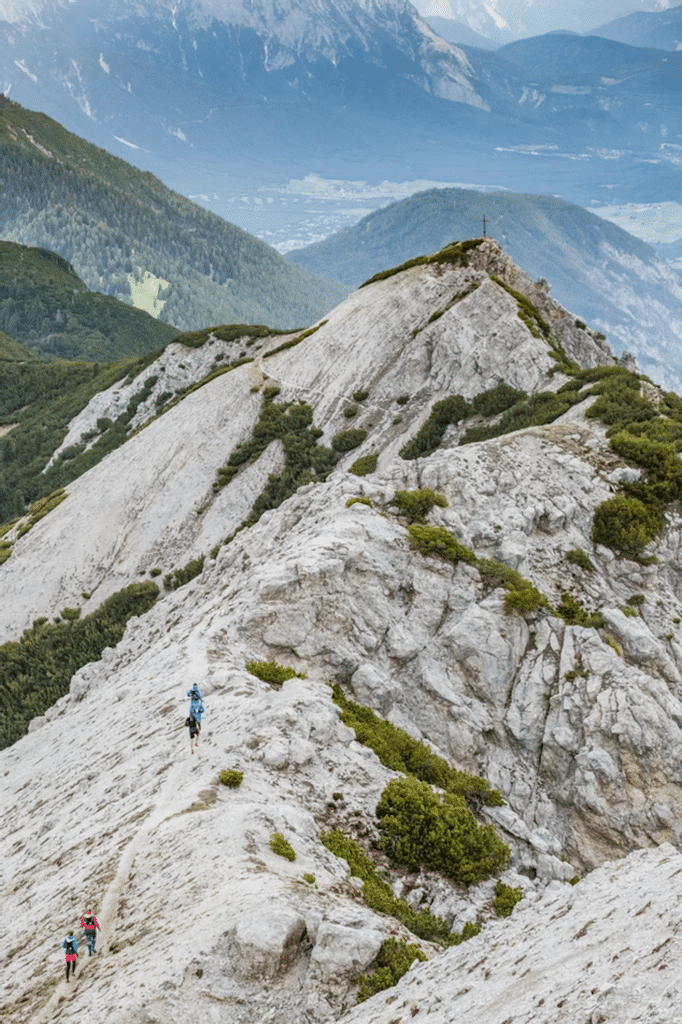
224, 105
606, 277
661, 29
459, 32
503, 20
571, 59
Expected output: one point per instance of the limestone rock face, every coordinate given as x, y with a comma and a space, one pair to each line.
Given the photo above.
579, 728
547, 962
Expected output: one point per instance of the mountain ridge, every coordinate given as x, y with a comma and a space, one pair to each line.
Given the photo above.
555, 679
548, 237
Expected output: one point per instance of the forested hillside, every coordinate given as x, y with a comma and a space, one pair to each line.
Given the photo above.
113, 223
47, 308
38, 398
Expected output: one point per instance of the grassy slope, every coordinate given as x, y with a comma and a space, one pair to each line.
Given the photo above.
109, 219
11, 351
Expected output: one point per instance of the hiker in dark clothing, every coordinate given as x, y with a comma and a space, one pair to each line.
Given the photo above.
196, 710
90, 924
193, 726
70, 947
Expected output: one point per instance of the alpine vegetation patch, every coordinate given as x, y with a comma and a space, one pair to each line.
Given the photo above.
397, 750
378, 894
282, 846
363, 466
392, 961
178, 577
346, 440
423, 828
272, 673
506, 898
36, 671
231, 777
416, 505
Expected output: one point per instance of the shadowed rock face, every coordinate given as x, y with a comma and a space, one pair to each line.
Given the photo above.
579, 728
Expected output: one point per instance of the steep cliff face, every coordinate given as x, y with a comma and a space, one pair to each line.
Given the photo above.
578, 725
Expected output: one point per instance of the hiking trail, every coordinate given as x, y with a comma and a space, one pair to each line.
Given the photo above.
171, 799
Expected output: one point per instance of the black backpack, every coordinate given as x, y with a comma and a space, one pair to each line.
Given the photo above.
69, 947
88, 921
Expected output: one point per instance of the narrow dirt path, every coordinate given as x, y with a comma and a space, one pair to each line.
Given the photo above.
172, 798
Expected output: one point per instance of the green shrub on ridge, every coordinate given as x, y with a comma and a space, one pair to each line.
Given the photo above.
282, 846
271, 672
363, 466
37, 670
392, 961
378, 894
423, 828
626, 524
506, 898
346, 440
429, 436
397, 750
416, 505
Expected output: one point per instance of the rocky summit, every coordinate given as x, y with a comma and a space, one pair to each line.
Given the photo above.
428, 547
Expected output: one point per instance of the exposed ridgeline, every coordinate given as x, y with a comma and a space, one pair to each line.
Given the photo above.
123, 230
608, 278
450, 501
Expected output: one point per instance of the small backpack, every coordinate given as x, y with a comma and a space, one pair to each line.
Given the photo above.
88, 921
69, 947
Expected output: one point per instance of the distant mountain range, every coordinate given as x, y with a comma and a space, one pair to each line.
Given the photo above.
503, 20
606, 277
223, 104
460, 33
662, 29
126, 234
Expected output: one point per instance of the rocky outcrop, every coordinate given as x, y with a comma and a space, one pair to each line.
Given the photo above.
547, 962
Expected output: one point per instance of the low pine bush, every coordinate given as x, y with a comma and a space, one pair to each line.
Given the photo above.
281, 846
378, 894
506, 898
397, 750
364, 465
346, 440
36, 670
271, 672
496, 400
423, 828
231, 777
392, 961
436, 539
578, 557
573, 612
178, 577
430, 435
416, 505
359, 501
521, 595
626, 524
